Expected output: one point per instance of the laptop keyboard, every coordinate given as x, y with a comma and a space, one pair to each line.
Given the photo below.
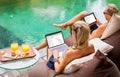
59, 48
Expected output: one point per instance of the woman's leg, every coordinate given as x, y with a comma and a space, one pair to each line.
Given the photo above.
49, 54
41, 45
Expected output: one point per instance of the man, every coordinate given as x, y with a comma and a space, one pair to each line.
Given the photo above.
109, 10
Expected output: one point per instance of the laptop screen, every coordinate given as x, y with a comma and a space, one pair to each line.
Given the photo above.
90, 18
54, 39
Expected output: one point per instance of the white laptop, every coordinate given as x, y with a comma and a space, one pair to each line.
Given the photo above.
90, 18
56, 41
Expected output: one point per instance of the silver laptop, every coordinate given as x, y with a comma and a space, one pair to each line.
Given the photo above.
56, 41
90, 18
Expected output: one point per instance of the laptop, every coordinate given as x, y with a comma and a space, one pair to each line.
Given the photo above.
56, 41
90, 18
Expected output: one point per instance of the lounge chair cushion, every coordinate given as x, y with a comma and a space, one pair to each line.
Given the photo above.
99, 66
101, 45
114, 54
113, 26
78, 63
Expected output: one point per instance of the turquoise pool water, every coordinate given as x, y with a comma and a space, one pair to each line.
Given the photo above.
27, 21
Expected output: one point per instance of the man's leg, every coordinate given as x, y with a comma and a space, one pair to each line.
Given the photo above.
72, 20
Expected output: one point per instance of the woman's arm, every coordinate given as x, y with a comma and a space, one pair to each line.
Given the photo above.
61, 63
70, 55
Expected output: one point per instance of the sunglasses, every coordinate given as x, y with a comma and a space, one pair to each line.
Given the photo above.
75, 29
104, 12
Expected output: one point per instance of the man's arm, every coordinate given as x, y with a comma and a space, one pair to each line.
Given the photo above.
98, 32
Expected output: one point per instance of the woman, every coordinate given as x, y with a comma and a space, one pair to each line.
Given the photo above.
80, 47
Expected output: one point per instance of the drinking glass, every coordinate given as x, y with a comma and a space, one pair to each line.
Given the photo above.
25, 49
14, 48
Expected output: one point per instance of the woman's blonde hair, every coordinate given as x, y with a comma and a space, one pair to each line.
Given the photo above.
82, 32
112, 9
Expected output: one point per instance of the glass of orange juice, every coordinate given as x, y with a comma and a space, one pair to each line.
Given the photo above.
25, 49
14, 48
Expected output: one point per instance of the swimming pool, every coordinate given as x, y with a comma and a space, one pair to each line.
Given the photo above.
27, 21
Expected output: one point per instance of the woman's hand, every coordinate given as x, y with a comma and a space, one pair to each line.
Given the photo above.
55, 53
59, 63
